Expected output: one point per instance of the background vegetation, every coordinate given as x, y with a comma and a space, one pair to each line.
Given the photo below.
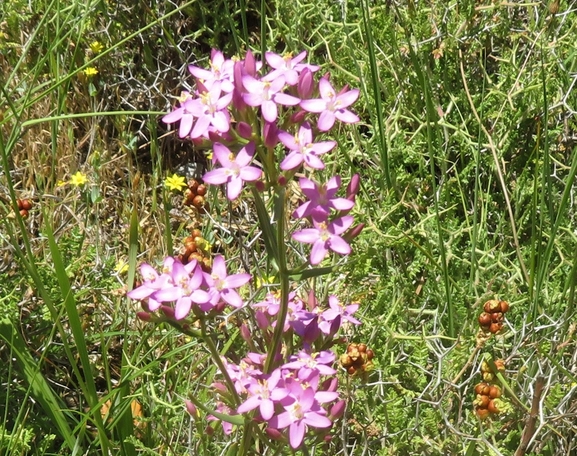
467, 155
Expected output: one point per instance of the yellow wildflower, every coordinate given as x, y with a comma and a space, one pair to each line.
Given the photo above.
78, 179
90, 71
121, 267
266, 280
96, 47
175, 182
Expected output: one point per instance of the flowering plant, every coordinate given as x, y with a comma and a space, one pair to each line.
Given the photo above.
285, 385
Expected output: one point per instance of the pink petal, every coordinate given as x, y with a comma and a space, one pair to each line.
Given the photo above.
250, 173
326, 89
296, 434
326, 120
200, 73
250, 404
286, 99
318, 252
308, 235
232, 297
314, 162
269, 110
233, 188
316, 420
348, 98
274, 60
346, 116
291, 161
315, 105
245, 155
339, 245
266, 409
342, 224
201, 126
252, 99
323, 146
288, 140
237, 280
173, 116
220, 122
216, 176
182, 308
222, 154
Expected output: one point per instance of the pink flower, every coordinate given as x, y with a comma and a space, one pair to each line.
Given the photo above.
221, 71
300, 412
303, 149
325, 237
221, 284
287, 66
308, 365
332, 105
210, 109
267, 94
263, 394
184, 114
321, 199
234, 171
226, 410
337, 310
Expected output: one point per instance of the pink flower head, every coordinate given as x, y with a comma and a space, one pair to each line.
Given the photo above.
308, 365
303, 149
287, 66
222, 285
221, 71
185, 292
300, 412
332, 105
337, 310
324, 237
184, 113
267, 94
263, 394
210, 109
225, 409
152, 283
321, 199
234, 171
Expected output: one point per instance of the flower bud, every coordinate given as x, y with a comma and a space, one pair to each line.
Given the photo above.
245, 333
270, 133
144, 316
274, 434
353, 232
167, 311
305, 85
244, 130
191, 408
338, 410
353, 187
250, 63
298, 117
261, 320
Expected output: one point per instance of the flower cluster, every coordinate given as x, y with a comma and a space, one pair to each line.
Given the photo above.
188, 287
265, 122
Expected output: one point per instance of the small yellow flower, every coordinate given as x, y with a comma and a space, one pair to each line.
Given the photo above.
121, 267
96, 47
90, 71
266, 280
175, 182
78, 179
61, 183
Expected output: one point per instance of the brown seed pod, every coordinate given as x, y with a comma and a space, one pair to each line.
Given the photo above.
504, 305
481, 401
493, 407
485, 320
495, 328
24, 213
497, 317
19, 204
345, 360
363, 348
494, 392
26, 205
492, 306
482, 388
370, 354
198, 201
193, 185
482, 413
352, 347
488, 377
195, 256
500, 365
189, 244
201, 190
195, 233
352, 370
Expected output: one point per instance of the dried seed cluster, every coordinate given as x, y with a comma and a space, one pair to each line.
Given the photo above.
24, 205
491, 320
357, 359
194, 195
487, 393
194, 248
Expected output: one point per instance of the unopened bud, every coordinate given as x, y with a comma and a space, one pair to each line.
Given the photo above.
244, 130
191, 408
270, 133
167, 311
144, 316
305, 85
245, 333
338, 410
353, 187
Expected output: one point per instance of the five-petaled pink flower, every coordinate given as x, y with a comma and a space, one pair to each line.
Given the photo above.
321, 199
324, 237
221, 284
184, 113
221, 71
210, 109
287, 66
332, 105
303, 149
267, 94
235, 170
